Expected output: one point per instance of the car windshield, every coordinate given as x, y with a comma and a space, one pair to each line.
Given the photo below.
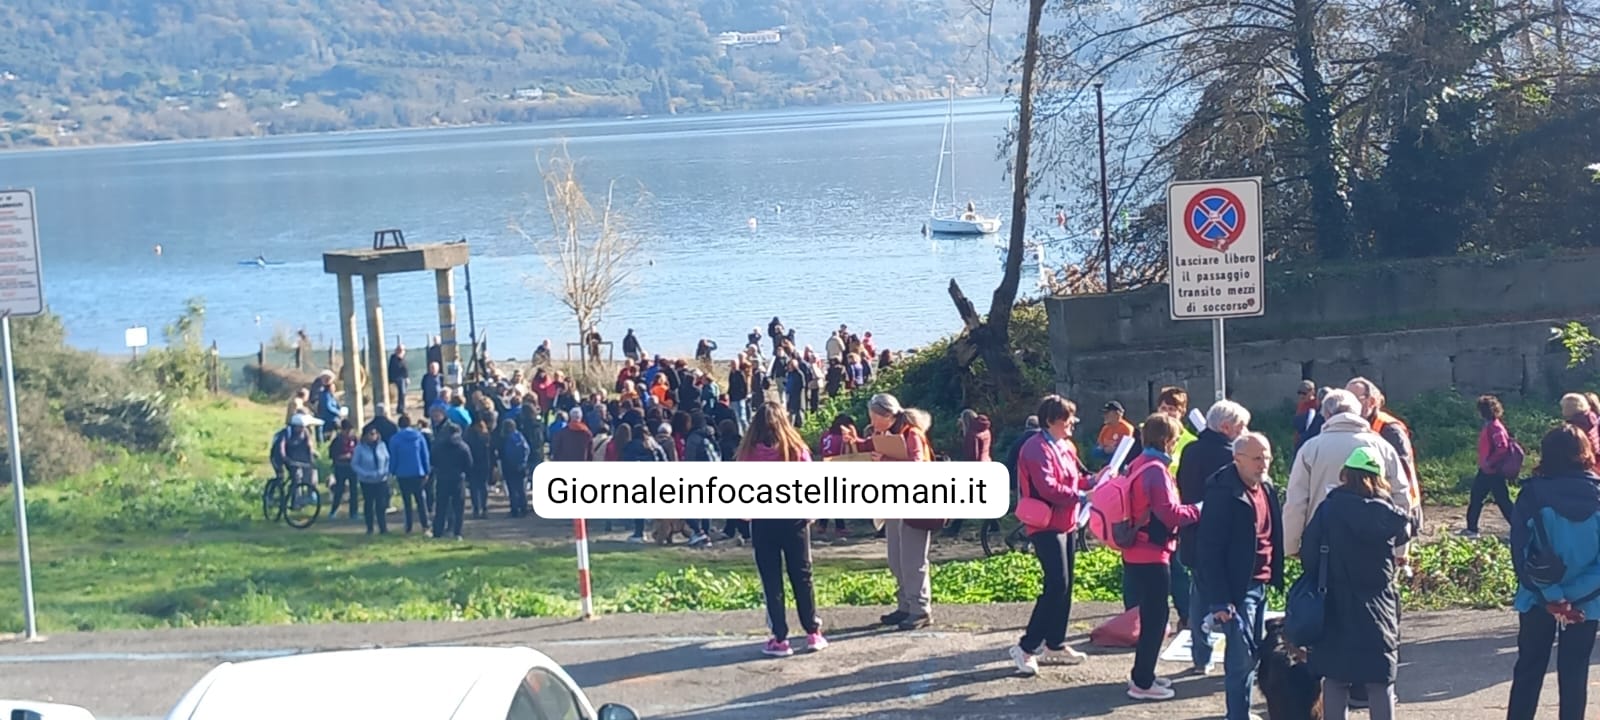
542, 696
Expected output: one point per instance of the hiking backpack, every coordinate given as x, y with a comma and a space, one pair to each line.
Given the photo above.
1114, 517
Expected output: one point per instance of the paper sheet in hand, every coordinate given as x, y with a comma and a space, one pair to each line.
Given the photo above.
1198, 419
890, 446
850, 457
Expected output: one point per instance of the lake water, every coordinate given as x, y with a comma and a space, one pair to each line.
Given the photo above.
839, 197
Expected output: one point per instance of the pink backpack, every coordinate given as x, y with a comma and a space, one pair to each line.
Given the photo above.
1112, 516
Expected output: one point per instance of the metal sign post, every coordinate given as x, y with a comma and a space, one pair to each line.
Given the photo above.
21, 294
1216, 264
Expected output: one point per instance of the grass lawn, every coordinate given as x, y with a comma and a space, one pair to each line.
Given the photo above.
278, 576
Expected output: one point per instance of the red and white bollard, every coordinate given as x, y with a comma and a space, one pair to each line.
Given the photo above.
585, 600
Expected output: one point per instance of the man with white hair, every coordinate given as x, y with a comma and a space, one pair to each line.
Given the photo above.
1241, 553
1315, 470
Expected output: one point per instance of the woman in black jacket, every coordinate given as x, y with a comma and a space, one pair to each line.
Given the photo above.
1360, 642
480, 440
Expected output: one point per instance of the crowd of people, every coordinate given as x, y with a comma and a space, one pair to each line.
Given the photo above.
1212, 528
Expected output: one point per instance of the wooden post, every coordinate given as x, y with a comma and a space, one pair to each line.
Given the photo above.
377, 356
445, 282
352, 370
261, 368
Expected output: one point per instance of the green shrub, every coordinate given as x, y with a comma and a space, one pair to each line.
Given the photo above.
136, 421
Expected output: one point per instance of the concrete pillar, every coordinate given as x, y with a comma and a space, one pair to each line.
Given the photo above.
352, 352
377, 354
445, 281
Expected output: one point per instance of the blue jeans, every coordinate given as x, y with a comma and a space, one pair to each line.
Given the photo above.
1199, 641
1238, 662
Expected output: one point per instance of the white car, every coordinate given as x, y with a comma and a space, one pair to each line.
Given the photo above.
420, 683
30, 710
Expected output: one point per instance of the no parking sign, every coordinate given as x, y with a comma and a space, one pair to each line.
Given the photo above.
1215, 260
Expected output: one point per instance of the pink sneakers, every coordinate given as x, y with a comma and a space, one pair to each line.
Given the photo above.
815, 641
778, 648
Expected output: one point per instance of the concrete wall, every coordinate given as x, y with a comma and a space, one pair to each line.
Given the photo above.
1411, 327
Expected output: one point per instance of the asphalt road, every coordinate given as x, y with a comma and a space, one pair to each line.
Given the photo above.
1456, 665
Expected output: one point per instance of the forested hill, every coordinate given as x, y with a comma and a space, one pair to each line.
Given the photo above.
84, 71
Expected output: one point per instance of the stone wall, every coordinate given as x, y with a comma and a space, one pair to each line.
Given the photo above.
1475, 325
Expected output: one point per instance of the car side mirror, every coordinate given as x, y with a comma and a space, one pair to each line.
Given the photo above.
615, 711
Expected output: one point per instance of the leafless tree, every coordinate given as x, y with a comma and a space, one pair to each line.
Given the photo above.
590, 250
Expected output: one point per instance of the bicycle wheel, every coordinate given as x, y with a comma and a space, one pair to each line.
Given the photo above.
989, 537
272, 499
1017, 541
301, 505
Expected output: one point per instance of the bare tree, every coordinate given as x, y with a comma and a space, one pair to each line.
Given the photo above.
590, 251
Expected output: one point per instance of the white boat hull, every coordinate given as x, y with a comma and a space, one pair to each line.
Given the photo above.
959, 226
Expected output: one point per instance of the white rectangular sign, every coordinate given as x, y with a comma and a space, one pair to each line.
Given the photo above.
1215, 263
21, 280
136, 337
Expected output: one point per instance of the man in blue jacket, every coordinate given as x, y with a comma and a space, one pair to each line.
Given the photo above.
410, 462
1240, 553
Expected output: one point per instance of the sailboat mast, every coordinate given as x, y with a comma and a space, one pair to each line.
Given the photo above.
950, 125
938, 173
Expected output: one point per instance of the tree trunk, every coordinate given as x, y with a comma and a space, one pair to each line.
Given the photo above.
1330, 214
989, 338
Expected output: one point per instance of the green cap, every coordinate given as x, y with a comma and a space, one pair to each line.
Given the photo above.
1364, 459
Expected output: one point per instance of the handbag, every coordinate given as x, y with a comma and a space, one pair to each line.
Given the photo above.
1305, 618
1511, 465
1032, 511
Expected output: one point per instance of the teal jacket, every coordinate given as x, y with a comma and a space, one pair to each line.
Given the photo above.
1570, 508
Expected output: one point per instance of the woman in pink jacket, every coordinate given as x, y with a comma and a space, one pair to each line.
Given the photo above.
1048, 470
1494, 448
782, 546
1147, 561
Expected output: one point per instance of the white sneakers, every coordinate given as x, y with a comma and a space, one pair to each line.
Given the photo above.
1028, 664
1159, 690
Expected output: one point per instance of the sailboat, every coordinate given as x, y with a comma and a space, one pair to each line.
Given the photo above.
955, 221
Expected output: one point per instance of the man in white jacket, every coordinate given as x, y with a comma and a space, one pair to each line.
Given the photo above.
1316, 466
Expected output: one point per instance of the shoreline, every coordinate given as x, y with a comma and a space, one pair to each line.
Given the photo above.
123, 144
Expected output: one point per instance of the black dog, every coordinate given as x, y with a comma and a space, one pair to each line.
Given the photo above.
1292, 692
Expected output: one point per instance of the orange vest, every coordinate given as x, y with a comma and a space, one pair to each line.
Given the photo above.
1410, 461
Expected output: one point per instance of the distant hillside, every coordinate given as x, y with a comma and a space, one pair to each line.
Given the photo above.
84, 71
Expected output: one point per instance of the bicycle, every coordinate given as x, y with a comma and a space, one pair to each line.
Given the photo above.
992, 538
297, 502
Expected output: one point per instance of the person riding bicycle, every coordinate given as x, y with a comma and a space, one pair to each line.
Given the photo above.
298, 449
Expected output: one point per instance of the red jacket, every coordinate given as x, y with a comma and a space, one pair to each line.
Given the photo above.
1048, 470
1153, 482
975, 445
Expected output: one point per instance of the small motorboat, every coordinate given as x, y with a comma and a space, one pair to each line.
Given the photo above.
260, 261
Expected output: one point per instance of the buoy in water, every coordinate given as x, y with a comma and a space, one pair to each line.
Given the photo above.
752, 223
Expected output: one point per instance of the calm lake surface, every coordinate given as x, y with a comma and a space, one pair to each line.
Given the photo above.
839, 197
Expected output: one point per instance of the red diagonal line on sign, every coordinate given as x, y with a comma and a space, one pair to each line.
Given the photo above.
1213, 220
